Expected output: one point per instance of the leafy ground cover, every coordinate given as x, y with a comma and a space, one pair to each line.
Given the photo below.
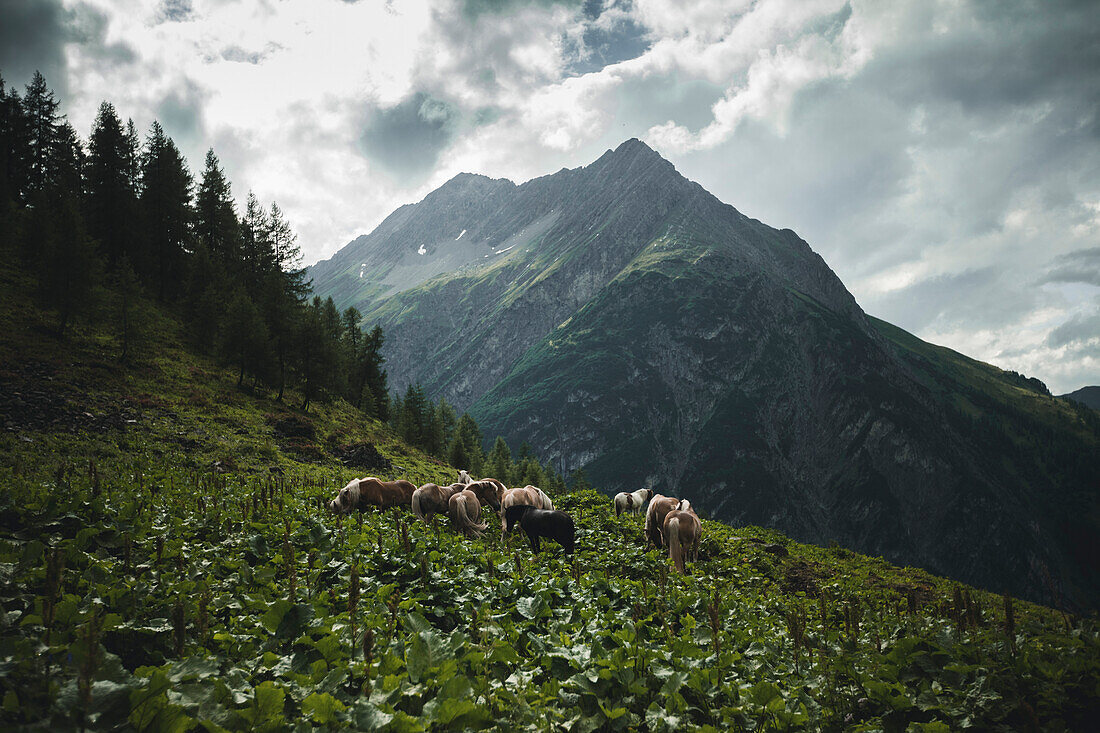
164, 566
149, 597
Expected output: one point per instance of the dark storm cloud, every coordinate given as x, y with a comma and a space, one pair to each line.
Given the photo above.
407, 139
1082, 266
87, 27
1079, 329
32, 37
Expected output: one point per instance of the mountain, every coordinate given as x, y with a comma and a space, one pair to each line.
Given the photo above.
627, 322
1088, 396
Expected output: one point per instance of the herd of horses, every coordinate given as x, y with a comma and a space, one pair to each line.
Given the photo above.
669, 522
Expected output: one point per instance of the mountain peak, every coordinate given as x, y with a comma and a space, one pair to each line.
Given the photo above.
634, 146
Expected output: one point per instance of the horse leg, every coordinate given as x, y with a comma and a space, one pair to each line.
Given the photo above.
534, 541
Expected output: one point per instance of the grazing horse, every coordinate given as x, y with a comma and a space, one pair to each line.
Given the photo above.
432, 499
367, 492
632, 502
464, 509
488, 491
682, 532
536, 523
529, 495
659, 506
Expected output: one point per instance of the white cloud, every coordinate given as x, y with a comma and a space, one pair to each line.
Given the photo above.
941, 155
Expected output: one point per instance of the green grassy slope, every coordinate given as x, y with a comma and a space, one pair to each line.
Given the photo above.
175, 573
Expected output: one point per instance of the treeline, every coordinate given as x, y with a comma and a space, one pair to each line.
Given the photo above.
437, 430
109, 224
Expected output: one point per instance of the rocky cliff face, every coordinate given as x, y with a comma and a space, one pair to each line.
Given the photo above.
623, 320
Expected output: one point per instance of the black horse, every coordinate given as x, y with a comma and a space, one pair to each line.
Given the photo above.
548, 523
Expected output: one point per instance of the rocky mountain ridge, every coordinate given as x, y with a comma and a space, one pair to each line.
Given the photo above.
623, 320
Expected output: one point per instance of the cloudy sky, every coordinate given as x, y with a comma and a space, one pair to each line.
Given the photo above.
943, 157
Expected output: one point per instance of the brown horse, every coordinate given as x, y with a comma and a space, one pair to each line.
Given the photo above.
682, 532
659, 506
432, 499
488, 491
369, 492
464, 509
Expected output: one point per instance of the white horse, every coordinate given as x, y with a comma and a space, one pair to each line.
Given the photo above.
632, 502
464, 477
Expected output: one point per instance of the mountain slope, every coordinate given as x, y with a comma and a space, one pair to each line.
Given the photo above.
627, 322
1089, 396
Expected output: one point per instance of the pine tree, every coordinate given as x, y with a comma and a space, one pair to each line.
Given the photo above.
130, 319
68, 265
579, 481
499, 462
67, 162
375, 379
110, 201
215, 218
414, 419
257, 248
40, 108
15, 148
447, 422
244, 337
468, 436
166, 214
530, 472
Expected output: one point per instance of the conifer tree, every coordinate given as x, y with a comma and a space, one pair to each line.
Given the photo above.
110, 200
499, 462
14, 148
165, 211
467, 442
67, 162
244, 337
40, 108
68, 265
130, 321
215, 218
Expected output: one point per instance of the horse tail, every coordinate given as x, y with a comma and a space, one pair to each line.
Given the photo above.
465, 523
417, 501
674, 550
618, 506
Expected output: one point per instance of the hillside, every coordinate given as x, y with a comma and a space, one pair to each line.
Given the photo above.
622, 320
166, 567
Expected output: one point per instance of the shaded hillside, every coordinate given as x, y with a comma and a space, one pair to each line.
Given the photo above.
1088, 396
629, 323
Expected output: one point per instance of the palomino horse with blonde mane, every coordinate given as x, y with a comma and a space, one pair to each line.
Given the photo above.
464, 509
632, 502
682, 531
364, 493
488, 491
659, 506
431, 499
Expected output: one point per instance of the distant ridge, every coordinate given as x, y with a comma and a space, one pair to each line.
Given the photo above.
1089, 396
